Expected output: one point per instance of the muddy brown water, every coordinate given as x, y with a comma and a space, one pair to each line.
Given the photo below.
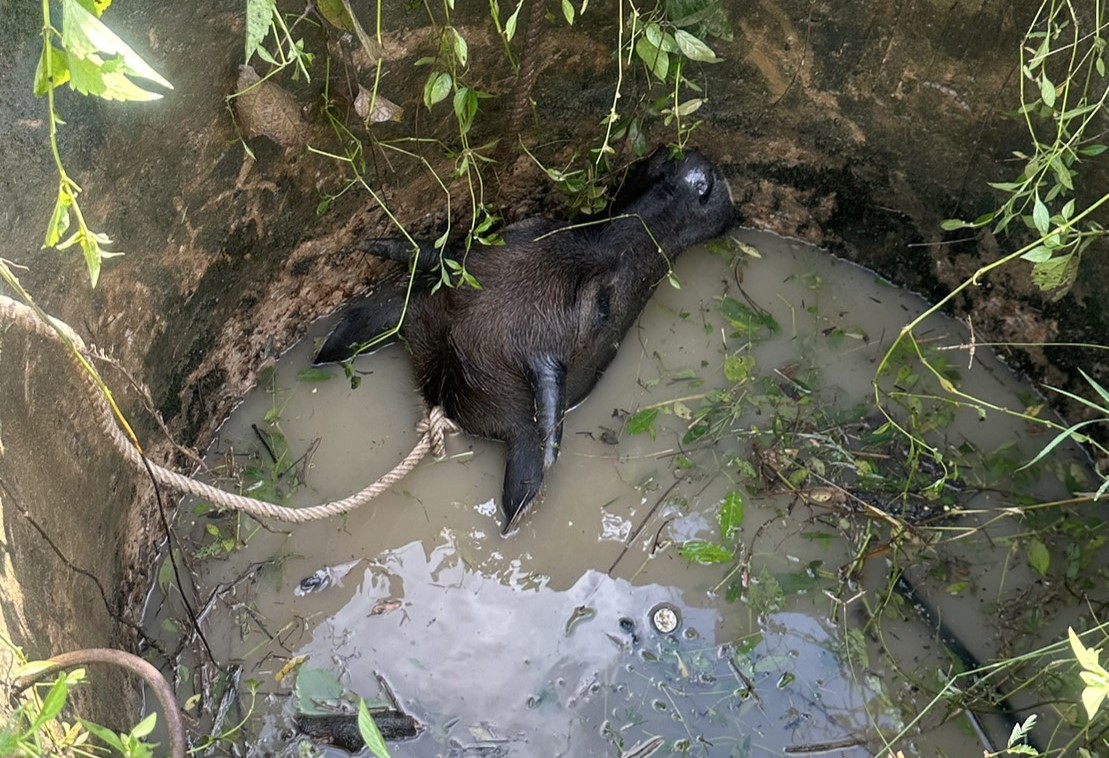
540, 644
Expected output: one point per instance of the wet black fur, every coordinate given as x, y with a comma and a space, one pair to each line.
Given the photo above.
506, 361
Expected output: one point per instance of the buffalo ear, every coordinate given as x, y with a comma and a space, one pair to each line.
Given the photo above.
547, 376
375, 316
523, 476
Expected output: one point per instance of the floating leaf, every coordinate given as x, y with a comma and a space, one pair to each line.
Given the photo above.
705, 553
643, 421
731, 515
314, 688
737, 368
371, 735
1038, 557
314, 375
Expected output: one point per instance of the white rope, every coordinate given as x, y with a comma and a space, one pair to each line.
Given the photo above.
432, 430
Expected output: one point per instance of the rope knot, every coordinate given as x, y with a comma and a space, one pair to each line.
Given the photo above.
437, 426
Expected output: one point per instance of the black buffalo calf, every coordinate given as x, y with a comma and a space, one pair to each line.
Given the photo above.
506, 361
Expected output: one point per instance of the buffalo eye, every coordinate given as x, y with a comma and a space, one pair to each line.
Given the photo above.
700, 181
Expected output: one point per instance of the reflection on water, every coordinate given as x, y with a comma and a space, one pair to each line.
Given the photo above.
539, 644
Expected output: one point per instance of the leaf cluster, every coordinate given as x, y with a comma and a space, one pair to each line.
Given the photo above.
94, 61
1063, 92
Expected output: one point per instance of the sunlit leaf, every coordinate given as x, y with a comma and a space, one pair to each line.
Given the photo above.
85, 36
59, 219
59, 70
107, 80
259, 15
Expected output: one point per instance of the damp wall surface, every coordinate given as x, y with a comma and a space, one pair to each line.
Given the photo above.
856, 130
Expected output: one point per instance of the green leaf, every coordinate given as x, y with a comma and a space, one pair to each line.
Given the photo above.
689, 106
259, 17
705, 553
105, 80
461, 49
657, 60
465, 108
643, 422
95, 7
1093, 150
1041, 217
1047, 90
314, 688
951, 224
438, 86
371, 735
510, 25
1038, 557
660, 39
59, 219
145, 727
59, 70
745, 320
693, 48
737, 368
333, 11
1038, 254
1057, 274
53, 703
731, 515
107, 736
314, 375
568, 12
1101, 391
85, 36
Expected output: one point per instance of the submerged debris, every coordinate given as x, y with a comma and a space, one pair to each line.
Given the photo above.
341, 729
325, 578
